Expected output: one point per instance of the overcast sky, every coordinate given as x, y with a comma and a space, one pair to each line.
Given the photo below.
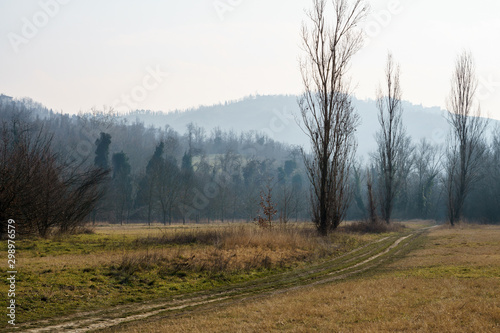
72, 55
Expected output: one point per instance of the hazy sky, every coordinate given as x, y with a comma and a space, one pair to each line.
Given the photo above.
72, 55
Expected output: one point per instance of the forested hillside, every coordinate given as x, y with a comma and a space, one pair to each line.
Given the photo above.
203, 172
277, 117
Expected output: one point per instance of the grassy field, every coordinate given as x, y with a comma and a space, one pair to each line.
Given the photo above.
448, 281
128, 264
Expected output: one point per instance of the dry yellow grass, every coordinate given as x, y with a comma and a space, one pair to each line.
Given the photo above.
470, 245
240, 246
450, 284
120, 265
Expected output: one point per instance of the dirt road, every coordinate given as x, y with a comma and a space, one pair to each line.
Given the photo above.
355, 262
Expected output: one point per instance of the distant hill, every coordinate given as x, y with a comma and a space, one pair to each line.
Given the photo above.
277, 115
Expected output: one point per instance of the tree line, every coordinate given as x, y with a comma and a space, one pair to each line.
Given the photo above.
147, 174
191, 185
456, 181
58, 171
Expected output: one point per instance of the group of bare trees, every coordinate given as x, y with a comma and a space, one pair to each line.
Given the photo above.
330, 122
464, 156
39, 190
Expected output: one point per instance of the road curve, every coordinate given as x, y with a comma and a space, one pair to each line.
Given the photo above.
354, 262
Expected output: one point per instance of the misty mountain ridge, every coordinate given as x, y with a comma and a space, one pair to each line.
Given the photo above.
278, 117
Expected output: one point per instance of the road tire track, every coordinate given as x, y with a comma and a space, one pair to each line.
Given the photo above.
355, 262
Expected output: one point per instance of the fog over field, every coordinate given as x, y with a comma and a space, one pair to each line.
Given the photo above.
250, 166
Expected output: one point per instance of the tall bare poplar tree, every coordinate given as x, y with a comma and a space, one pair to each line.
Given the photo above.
329, 118
466, 146
394, 145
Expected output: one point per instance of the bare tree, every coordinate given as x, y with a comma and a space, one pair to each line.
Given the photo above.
358, 180
427, 169
268, 207
466, 145
394, 145
226, 166
329, 118
168, 187
495, 171
372, 206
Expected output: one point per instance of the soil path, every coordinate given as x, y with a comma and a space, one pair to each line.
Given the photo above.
354, 262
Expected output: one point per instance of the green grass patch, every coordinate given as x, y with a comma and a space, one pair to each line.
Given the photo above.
61, 292
74, 244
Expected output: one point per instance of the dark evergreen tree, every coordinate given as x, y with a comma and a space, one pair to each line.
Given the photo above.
290, 166
187, 165
101, 161
102, 151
